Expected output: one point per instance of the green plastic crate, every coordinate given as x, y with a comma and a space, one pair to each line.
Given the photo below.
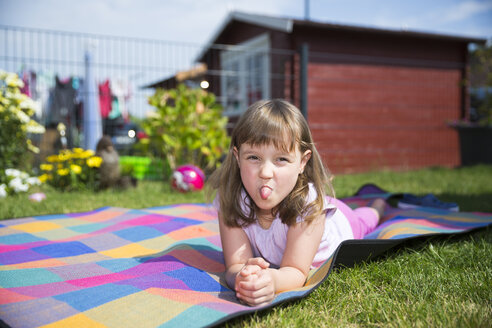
143, 167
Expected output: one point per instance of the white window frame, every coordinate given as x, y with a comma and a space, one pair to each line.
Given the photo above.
239, 56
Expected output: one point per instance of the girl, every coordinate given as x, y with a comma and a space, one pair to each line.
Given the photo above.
275, 221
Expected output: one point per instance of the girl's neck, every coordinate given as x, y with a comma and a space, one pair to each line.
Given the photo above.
265, 219
265, 214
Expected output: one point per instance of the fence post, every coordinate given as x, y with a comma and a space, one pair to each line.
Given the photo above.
304, 50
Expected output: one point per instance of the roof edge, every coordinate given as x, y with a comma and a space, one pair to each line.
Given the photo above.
277, 23
287, 25
372, 29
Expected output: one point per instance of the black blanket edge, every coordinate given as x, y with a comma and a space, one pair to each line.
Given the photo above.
352, 246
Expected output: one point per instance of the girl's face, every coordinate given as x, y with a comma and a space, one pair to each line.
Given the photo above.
269, 174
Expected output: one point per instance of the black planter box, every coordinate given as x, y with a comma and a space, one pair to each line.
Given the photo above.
475, 145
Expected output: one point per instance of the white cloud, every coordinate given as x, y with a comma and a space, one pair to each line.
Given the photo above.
195, 21
465, 10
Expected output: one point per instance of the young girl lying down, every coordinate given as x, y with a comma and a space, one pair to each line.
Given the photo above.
276, 223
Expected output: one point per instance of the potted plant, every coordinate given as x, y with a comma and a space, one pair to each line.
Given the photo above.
187, 127
475, 130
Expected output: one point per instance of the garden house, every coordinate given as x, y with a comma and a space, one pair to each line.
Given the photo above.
373, 98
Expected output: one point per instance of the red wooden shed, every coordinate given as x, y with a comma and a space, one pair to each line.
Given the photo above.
373, 98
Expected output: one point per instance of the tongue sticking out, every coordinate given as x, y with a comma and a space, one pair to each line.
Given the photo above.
265, 192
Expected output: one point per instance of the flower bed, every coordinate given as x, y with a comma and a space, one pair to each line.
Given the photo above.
72, 170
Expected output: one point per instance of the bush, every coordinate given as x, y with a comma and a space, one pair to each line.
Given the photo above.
75, 169
186, 128
481, 85
16, 110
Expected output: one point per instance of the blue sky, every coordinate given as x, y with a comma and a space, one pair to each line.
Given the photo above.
195, 21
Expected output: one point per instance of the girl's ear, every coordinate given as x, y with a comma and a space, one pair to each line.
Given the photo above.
304, 159
236, 154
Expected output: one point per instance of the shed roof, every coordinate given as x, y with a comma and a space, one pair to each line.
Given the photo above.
287, 25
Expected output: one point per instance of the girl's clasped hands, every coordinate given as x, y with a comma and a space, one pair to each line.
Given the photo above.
255, 285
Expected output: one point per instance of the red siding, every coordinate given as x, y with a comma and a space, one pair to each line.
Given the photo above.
366, 117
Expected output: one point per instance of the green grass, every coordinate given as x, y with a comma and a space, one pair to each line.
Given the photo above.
146, 194
442, 282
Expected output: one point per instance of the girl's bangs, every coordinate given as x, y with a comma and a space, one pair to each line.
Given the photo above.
279, 134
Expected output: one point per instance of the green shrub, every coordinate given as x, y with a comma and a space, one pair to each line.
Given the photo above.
16, 110
186, 128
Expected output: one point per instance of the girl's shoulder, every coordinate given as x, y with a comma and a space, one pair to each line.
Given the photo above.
328, 207
313, 195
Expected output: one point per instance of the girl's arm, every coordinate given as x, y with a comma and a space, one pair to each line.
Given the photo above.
302, 243
236, 248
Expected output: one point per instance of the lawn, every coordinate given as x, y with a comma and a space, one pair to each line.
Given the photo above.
443, 282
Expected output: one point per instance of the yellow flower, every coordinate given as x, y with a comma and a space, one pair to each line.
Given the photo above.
63, 157
52, 158
46, 167
62, 172
86, 154
94, 161
44, 177
75, 169
77, 153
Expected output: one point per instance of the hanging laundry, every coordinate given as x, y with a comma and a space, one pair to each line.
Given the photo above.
25, 76
115, 109
121, 90
45, 83
63, 103
63, 107
105, 98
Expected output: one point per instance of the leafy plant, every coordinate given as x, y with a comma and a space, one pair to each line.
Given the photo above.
186, 128
481, 85
16, 110
74, 169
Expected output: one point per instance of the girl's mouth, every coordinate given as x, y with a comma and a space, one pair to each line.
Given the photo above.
265, 192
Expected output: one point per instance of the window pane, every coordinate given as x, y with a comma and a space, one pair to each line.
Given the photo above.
232, 96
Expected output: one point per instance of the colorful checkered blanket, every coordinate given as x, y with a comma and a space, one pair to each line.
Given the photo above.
156, 267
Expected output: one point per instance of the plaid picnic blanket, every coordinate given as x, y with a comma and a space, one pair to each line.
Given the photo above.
156, 267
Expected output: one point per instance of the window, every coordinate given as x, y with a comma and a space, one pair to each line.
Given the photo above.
245, 74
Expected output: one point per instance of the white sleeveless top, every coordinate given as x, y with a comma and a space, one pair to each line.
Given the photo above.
270, 243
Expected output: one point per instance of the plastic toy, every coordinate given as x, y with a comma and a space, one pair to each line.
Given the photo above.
37, 197
188, 178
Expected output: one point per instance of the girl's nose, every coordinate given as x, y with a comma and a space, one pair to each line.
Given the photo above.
266, 170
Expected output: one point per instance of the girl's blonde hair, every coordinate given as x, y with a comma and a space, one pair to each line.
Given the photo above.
279, 123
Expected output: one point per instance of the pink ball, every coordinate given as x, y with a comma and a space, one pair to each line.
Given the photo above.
187, 178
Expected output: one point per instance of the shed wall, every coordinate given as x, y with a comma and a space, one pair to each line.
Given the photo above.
367, 117
375, 100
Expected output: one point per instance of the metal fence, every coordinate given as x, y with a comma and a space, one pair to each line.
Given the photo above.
55, 66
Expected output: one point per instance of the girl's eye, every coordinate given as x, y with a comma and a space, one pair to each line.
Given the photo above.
283, 159
252, 157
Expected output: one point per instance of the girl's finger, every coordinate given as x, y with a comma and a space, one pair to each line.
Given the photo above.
255, 301
259, 261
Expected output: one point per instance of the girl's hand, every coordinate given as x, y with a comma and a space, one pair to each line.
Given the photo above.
256, 289
254, 283
252, 267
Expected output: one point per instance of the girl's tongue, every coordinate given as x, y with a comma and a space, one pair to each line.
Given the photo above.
265, 192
